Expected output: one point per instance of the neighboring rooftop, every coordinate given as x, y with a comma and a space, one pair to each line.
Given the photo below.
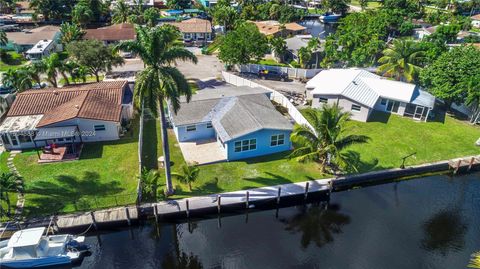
116, 32
194, 25
33, 36
476, 17
297, 42
40, 46
99, 101
274, 27
365, 87
233, 111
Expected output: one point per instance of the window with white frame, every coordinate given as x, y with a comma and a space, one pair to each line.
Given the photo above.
277, 140
99, 127
245, 145
383, 102
191, 128
323, 100
209, 125
356, 108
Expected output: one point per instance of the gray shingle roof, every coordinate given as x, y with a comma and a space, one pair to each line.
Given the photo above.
233, 111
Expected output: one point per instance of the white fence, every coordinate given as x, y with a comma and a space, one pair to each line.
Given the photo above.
275, 96
296, 73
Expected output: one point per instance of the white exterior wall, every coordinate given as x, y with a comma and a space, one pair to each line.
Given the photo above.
344, 103
88, 132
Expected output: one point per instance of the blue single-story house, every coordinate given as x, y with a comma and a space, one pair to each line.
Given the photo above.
242, 120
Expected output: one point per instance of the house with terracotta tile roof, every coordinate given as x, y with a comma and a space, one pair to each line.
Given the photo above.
112, 34
476, 21
275, 28
194, 30
67, 116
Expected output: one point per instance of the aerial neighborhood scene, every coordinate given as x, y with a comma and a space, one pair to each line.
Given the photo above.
240, 134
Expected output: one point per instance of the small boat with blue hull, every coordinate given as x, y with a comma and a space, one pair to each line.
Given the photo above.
30, 248
330, 17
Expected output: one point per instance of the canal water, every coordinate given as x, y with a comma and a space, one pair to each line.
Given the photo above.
431, 222
319, 29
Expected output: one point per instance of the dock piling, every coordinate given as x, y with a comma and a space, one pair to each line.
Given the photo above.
247, 199
470, 165
219, 202
330, 187
279, 194
94, 222
307, 185
187, 205
127, 214
155, 212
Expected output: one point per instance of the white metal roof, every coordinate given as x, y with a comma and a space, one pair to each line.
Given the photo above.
27, 237
360, 85
40, 46
20, 123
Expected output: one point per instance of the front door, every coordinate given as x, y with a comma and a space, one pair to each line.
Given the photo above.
14, 140
392, 106
418, 112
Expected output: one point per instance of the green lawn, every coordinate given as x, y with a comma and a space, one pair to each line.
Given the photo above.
371, 4
105, 175
271, 62
399, 136
13, 196
227, 176
89, 79
14, 61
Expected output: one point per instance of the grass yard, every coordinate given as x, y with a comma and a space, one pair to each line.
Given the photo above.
12, 195
271, 62
371, 4
105, 175
227, 176
399, 136
15, 60
89, 79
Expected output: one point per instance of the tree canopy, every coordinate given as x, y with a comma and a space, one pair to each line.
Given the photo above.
243, 44
449, 76
94, 55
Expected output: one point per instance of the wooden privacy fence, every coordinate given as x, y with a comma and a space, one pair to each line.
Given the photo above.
297, 73
275, 96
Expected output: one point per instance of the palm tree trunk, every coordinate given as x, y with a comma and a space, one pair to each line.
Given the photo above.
7, 199
166, 150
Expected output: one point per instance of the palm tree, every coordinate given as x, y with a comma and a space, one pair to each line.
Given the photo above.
149, 180
160, 81
327, 141
314, 46
475, 261
402, 60
121, 11
3, 38
34, 71
7, 185
17, 79
190, 174
52, 63
70, 32
279, 47
304, 56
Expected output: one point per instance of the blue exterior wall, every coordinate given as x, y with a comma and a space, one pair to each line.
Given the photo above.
263, 144
201, 133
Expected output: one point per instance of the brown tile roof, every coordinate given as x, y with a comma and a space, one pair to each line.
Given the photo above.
97, 101
273, 27
476, 17
34, 35
116, 32
194, 25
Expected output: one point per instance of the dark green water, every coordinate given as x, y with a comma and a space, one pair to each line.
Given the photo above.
431, 222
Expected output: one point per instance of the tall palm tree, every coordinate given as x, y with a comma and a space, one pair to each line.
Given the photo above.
190, 174
17, 79
475, 261
160, 81
7, 185
70, 32
52, 63
3, 38
327, 142
402, 60
121, 11
35, 70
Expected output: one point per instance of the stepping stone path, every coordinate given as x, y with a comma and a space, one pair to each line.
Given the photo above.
19, 182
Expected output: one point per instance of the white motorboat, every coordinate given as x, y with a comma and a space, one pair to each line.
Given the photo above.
30, 248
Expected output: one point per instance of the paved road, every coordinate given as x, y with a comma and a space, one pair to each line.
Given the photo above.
287, 87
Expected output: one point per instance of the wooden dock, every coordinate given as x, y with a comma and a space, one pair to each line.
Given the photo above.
469, 162
97, 218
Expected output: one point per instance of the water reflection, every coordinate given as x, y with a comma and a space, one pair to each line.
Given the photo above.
316, 224
444, 232
182, 261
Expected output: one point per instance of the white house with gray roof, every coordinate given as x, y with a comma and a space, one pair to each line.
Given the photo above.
361, 92
243, 121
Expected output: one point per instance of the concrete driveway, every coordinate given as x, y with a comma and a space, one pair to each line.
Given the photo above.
208, 66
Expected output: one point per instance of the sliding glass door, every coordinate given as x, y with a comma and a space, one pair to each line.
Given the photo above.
392, 106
